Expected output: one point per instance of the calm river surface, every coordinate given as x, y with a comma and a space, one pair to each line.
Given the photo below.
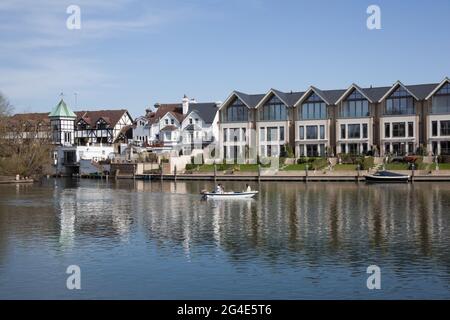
142, 240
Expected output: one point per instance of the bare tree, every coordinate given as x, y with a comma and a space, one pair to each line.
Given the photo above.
25, 144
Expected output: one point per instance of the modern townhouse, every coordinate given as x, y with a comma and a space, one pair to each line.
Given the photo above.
398, 119
438, 119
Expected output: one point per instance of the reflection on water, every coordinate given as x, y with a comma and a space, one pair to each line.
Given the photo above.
135, 239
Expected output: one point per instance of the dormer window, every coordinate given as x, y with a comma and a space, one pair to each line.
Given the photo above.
441, 100
101, 124
400, 102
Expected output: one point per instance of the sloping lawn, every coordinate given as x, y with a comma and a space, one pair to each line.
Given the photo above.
442, 166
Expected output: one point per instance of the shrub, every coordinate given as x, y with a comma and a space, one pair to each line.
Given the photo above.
191, 167
365, 163
319, 163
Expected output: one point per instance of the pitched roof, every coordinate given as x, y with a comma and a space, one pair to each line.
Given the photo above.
175, 108
112, 117
421, 91
251, 100
32, 117
62, 110
206, 110
169, 128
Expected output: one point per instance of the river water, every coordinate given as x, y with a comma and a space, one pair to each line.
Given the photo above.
160, 240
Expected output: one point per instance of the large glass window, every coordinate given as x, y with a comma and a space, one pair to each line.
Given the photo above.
272, 133
398, 129
354, 131
262, 134
281, 133
441, 100
355, 106
273, 110
311, 132
313, 108
301, 132
445, 128
237, 112
400, 102
387, 130
225, 135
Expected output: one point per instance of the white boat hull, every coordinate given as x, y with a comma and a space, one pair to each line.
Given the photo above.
230, 195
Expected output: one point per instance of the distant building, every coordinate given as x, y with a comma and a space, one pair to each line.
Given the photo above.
181, 126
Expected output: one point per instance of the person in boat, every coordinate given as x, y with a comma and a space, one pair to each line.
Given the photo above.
219, 189
247, 188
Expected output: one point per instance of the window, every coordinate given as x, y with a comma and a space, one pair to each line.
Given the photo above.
441, 100
355, 106
273, 110
311, 132
410, 129
225, 135
387, 130
398, 129
445, 148
167, 121
67, 137
234, 134
365, 133
272, 133
434, 128
354, 131
400, 102
343, 150
343, 135
237, 112
313, 108
322, 132
262, 134
353, 148
410, 147
445, 128
172, 121
244, 134
190, 120
196, 120
281, 133
301, 132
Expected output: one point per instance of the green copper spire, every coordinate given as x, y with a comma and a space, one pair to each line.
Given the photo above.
62, 111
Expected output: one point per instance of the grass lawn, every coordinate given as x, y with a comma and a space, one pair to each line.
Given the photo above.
248, 167
397, 166
295, 167
345, 167
442, 166
210, 167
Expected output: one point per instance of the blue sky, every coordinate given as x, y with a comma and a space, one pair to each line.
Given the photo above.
132, 54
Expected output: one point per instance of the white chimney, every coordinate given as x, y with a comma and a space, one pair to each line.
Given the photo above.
185, 103
218, 104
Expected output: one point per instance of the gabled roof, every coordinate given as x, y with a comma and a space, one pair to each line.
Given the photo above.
169, 128
328, 96
272, 92
62, 111
250, 100
206, 110
394, 86
437, 88
112, 117
175, 108
350, 90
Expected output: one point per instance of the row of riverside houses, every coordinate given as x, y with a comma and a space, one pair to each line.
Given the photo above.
399, 119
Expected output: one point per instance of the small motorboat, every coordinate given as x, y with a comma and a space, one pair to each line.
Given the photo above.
387, 177
230, 195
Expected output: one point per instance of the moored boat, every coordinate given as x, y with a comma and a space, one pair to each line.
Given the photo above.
387, 177
230, 195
